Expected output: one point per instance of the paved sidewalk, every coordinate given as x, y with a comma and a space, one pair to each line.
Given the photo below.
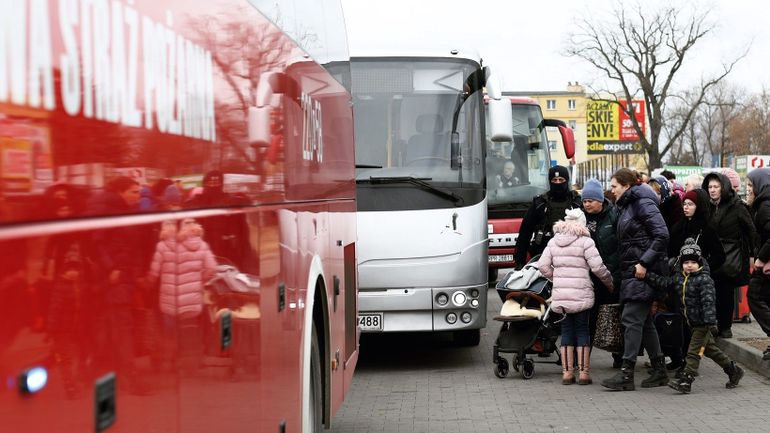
745, 346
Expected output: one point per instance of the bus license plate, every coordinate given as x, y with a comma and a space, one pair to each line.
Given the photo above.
370, 322
501, 258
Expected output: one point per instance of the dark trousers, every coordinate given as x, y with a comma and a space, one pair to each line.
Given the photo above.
574, 329
725, 304
686, 336
637, 320
702, 344
759, 300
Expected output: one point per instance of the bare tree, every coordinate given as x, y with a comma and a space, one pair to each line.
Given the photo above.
643, 51
708, 132
749, 131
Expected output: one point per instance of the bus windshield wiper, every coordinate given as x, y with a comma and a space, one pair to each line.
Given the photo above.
368, 166
419, 181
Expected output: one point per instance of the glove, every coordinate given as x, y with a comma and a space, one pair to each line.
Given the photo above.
714, 331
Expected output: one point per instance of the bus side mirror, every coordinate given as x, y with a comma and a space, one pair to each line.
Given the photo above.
500, 120
567, 135
499, 109
266, 98
259, 126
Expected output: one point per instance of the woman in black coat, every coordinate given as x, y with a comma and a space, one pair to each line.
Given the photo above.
642, 241
697, 225
735, 229
759, 287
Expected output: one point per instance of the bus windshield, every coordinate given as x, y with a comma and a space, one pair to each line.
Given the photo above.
518, 170
407, 113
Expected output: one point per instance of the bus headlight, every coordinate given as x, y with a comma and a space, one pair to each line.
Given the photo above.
474, 303
459, 299
451, 318
474, 293
442, 299
466, 317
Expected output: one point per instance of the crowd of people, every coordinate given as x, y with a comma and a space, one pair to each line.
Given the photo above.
131, 271
653, 246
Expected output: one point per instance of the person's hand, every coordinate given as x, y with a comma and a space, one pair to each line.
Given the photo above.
640, 271
766, 269
759, 264
714, 331
611, 288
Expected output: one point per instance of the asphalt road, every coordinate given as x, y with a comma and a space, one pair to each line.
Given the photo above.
423, 383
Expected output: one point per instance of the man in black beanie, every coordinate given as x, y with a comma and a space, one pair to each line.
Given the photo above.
547, 208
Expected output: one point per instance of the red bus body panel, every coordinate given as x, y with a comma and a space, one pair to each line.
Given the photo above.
94, 286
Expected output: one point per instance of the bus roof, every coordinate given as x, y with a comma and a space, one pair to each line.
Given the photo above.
448, 52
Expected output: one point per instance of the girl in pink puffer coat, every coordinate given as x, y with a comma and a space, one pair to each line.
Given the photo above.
567, 260
184, 262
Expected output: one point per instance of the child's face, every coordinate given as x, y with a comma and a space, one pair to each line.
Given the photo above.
689, 266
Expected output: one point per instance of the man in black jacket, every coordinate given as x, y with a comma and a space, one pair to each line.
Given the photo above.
547, 208
758, 187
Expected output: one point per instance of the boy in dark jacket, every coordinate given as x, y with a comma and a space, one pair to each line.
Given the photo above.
696, 289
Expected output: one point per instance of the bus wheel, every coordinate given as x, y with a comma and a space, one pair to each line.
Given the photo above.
470, 337
316, 389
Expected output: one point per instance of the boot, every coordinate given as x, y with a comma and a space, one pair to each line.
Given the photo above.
584, 364
735, 374
623, 380
683, 384
567, 359
658, 375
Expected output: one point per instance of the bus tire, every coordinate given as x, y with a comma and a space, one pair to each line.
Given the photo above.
469, 337
316, 387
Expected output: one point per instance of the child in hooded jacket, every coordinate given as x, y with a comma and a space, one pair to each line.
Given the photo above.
567, 260
183, 263
694, 286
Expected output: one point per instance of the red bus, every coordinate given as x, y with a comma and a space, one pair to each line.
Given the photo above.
517, 171
177, 216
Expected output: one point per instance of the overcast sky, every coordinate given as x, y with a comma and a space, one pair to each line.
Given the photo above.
523, 40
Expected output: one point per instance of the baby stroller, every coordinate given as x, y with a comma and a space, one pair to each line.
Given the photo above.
528, 325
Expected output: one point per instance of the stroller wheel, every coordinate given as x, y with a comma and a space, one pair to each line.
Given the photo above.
516, 363
501, 368
527, 369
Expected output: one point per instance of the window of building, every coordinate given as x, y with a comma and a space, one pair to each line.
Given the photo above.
573, 124
550, 104
571, 104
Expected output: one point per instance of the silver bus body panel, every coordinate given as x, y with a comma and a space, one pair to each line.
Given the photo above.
406, 258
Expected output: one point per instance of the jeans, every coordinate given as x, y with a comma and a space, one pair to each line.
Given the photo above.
637, 320
574, 329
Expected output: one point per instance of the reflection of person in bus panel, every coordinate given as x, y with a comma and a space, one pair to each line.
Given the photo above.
506, 179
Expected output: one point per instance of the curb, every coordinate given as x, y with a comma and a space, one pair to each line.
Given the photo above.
746, 355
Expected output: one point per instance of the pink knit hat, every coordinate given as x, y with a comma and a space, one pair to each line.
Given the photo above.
735, 181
